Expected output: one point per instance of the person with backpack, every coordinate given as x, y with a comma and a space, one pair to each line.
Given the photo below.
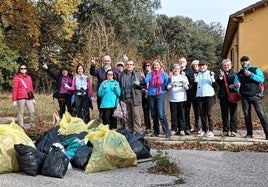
247, 82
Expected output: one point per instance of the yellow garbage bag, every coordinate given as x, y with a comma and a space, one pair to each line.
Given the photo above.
111, 150
71, 125
8, 160
17, 134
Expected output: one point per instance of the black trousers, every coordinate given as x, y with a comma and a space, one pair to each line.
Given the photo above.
82, 105
177, 111
65, 101
205, 107
228, 115
108, 119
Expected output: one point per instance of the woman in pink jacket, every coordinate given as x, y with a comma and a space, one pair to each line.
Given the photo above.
22, 85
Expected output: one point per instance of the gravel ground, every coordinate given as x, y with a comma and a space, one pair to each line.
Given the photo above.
200, 168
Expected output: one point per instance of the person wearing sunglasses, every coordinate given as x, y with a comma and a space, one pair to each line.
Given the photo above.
22, 84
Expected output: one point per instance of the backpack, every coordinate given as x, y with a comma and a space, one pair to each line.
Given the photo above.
261, 84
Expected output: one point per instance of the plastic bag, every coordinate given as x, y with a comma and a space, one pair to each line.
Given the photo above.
138, 143
81, 157
121, 110
111, 150
71, 145
30, 159
56, 163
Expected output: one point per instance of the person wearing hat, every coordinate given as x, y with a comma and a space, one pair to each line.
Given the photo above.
247, 82
205, 95
120, 68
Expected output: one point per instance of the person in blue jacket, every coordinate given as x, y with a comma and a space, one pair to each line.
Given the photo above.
109, 91
247, 81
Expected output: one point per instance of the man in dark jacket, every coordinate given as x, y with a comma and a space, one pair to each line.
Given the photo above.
247, 81
131, 94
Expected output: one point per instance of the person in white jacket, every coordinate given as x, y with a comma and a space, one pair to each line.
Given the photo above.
178, 84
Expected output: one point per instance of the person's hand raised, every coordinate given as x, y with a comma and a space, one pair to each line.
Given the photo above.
93, 61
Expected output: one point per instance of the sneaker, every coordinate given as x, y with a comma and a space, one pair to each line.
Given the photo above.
201, 133
210, 134
233, 134
182, 133
168, 135
249, 136
173, 132
224, 134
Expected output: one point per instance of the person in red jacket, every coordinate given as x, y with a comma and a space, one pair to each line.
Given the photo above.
22, 85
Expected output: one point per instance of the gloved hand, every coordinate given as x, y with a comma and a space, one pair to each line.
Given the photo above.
45, 66
14, 103
67, 86
169, 87
136, 82
34, 101
212, 77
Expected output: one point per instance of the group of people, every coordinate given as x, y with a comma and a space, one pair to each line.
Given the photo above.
186, 86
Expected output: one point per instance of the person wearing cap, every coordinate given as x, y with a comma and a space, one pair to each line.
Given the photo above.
205, 95
120, 68
197, 118
63, 78
190, 75
100, 73
157, 81
226, 77
247, 82
178, 84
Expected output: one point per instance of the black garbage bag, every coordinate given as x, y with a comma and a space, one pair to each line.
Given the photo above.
81, 157
29, 159
56, 163
44, 143
138, 143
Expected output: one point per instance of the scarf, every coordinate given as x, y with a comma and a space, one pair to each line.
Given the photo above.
156, 81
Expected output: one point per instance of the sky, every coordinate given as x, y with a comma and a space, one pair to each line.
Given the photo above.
206, 10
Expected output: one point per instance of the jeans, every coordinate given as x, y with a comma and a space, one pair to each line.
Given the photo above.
157, 108
256, 101
177, 112
227, 109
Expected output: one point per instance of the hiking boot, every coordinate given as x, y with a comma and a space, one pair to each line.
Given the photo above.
210, 134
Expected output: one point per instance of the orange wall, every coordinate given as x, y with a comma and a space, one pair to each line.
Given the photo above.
253, 37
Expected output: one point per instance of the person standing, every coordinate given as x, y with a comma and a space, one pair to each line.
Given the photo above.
62, 94
157, 81
146, 67
83, 93
120, 69
206, 97
188, 72
130, 83
226, 78
247, 82
109, 91
100, 73
178, 84
22, 84
197, 117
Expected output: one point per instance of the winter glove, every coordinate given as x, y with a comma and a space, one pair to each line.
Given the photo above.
169, 87
212, 77
67, 86
45, 66
15, 103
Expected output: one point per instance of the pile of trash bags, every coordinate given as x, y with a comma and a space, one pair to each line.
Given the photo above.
91, 147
